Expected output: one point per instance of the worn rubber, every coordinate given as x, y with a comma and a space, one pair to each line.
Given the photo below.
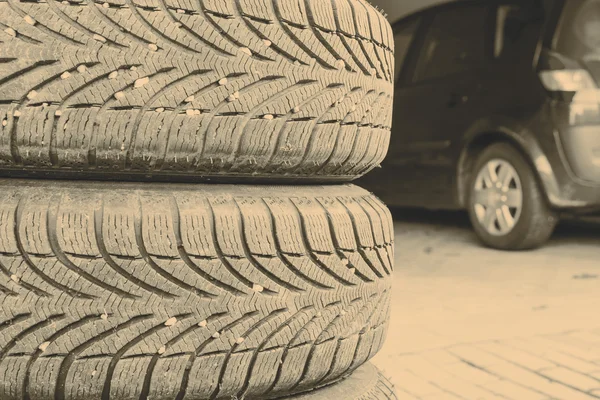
150, 291
366, 383
261, 89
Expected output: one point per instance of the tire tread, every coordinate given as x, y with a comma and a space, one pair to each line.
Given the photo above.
100, 279
150, 88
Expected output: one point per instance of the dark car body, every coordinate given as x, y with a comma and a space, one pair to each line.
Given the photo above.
467, 76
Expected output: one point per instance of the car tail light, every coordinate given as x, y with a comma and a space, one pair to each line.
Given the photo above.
568, 80
584, 108
578, 88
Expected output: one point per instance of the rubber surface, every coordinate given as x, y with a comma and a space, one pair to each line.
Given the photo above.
246, 88
366, 383
127, 291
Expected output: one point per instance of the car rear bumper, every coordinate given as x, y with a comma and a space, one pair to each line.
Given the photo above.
581, 147
576, 198
574, 154
576, 169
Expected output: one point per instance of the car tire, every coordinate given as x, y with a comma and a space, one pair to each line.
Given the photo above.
536, 220
366, 383
238, 88
169, 291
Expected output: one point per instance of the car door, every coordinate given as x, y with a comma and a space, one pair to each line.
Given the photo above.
437, 99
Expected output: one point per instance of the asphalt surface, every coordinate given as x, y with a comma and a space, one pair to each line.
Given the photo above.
473, 323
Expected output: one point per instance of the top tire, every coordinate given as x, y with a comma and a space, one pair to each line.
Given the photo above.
262, 89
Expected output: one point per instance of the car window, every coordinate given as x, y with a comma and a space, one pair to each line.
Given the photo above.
404, 34
579, 35
517, 24
454, 43
508, 27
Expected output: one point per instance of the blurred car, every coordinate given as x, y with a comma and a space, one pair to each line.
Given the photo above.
497, 111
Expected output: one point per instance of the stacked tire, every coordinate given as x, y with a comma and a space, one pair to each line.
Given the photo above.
164, 254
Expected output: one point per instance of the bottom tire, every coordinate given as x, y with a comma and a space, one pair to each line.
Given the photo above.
151, 291
366, 383
507, 206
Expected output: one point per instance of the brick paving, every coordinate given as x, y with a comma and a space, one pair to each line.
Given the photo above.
472, 323
536, 368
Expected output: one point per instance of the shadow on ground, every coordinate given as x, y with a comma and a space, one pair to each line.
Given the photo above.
581, 230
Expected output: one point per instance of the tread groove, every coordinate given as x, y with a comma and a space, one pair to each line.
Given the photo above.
188, 261
62, 38
226, 35
219, 251
338, 247
359, 248
287, 349
310, 252
312, 24
14, 320
77, 324
262, 345
26, 70
276, 97
28, 331
152, 365
282, 22
149, 103
71, 357
311, 354
383, 264
185, 380
32, 266
253, 328
356, 136
192, 33
255, 263
339, 131
99, 234
25, 285
139, 237
93, 6
52, 217
156, 32
76, 25
283, 257
119, 355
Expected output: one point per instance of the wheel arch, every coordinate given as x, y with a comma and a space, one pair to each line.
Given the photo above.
521, 139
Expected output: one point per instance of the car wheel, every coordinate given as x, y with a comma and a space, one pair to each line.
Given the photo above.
507, 207
169, 291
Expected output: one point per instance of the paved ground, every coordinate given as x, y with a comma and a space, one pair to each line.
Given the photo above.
472, 323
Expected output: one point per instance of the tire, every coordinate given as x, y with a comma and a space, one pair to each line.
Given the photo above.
187, 291
366, 383
537, 220
255, 89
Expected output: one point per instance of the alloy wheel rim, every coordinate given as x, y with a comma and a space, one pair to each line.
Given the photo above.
498, 197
